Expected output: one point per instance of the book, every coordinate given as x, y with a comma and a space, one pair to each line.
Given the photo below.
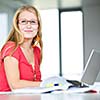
55, 84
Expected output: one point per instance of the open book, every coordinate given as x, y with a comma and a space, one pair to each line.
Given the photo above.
53, 84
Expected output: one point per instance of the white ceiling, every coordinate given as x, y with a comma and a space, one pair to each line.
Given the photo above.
57, 3
42, 4
46, 4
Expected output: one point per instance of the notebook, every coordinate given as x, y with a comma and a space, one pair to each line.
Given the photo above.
89, 74
91, 70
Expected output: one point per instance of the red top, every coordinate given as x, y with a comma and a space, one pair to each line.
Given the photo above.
25, 69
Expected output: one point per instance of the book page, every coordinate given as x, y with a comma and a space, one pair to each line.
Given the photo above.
52, 85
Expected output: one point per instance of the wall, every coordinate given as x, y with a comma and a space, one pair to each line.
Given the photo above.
9, 11
91, 29
5, 28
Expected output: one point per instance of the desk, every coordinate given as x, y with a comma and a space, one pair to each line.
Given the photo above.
60, 96
53, 96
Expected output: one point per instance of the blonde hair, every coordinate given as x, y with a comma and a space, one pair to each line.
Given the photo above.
15, 34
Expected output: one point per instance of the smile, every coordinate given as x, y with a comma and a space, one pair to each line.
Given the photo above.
28, 31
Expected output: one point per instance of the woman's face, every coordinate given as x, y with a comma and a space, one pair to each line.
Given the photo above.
28, 24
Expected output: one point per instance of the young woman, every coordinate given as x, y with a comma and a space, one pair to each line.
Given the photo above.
21, 55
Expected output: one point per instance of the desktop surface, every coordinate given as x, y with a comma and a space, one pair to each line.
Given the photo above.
53, 96
58, 96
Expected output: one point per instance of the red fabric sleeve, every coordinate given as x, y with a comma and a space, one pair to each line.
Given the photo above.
8, 49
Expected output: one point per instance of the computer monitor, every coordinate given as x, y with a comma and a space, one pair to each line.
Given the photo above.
92, 68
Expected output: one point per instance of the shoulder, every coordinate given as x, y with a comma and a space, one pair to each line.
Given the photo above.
8, 45
8, 48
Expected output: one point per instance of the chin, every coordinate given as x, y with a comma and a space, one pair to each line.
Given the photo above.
30, 37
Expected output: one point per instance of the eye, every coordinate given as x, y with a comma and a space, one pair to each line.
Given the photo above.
33, 22
23, 21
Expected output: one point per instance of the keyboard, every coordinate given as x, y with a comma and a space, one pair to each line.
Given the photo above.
76, 83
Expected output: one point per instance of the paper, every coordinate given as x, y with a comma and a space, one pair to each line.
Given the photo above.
48, 85
52, 85
38, 90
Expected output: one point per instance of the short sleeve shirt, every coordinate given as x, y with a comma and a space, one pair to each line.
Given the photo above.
25, 69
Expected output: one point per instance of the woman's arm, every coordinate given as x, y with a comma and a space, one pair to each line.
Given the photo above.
12, 73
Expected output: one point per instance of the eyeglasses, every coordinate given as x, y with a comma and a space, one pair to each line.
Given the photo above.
24, 22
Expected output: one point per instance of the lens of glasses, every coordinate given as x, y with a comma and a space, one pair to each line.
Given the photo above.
24, 22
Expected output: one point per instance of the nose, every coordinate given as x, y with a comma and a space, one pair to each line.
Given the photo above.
28, 24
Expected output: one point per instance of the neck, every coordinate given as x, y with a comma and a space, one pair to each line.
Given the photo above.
27, 44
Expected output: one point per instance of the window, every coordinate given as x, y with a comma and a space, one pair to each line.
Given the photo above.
50, 31
3, 28
72, 43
